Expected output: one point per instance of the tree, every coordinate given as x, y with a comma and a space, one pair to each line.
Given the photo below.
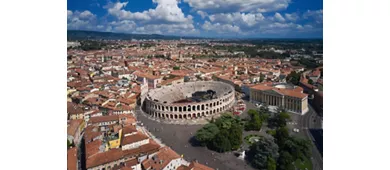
176, 68
281, 135
206, 133
280, 119
252, 112
310, 81
285, 161
294, 78
271, 163
261, 77
221, 142
235, 136
298, 148
255, 123
260, 152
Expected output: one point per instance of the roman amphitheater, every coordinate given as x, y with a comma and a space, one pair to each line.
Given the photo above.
189, 101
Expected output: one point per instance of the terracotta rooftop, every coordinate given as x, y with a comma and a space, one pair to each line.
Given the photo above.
129, 129
99, 119
161, 159
72, 158
104, 157
73, 126
197, 166
133, 138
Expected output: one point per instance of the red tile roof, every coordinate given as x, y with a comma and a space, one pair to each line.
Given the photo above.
133, 138
161, 159
99, 119
72, 158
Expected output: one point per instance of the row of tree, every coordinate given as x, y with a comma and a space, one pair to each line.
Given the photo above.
222, 135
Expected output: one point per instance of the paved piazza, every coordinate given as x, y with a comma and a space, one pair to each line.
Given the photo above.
189, 103
178, 138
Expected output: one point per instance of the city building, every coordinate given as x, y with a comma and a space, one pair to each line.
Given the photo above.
286, 96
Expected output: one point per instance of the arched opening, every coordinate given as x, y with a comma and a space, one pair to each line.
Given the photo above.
175, 109
198, 107
175, 116
207, 112
185, 116
203, 114
202, 106
193, 108
179, 109
184, 109
194, 115
171, 108
171, 116
189, 108
189, 116
180, 117
198, 114
163, 108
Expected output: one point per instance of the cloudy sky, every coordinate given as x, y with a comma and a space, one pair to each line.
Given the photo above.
206, 18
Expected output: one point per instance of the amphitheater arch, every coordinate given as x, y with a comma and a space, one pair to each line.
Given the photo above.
175, 109
203, 114
175, 116
198, 115
184, 109
194, 115
171, 109
202, 106
198, 107
171, 116
180, 109
193, 108
180, 116
185, 116
189, 116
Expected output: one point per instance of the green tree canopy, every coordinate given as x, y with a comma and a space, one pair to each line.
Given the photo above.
221, 142
235, 136
206, 133
271, 163
281, 135
294, 78
255, 123
260, 151
285, 161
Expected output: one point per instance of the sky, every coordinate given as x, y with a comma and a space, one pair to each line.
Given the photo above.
204, 18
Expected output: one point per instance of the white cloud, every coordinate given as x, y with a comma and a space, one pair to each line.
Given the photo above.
242, 19
316, 15
229, 6
291, 17
166, 11
279, 17
202, 14
81, 20
166, 18
220, 28
87, 15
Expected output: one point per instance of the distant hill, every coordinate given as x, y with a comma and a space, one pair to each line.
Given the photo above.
95, 35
